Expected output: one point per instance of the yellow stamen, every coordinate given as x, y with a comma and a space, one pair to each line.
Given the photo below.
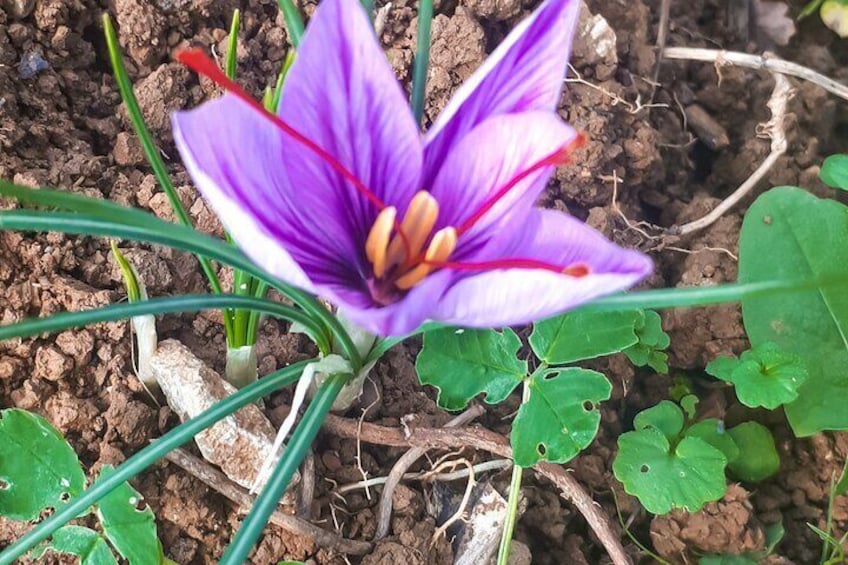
417, 224
377, 243
440, 249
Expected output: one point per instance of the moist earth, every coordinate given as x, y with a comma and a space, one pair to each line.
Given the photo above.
62, 125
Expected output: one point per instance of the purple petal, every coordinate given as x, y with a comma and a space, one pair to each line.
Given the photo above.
487, 159
233, 155
508, 297
402, 317
342, 94
525, 73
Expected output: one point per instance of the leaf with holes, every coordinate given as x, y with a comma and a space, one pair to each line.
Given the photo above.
464, 363
38, 469
86, 544
834, 171
790, 234
761, 459
560, 418
652, 340
764, 376
129, 524
575, 336
665, 476
666, 417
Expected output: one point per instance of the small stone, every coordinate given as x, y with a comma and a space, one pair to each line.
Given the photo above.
51, 364
31, 64
127, 150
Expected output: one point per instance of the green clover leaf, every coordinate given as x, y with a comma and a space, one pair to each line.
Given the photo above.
130, 526
764, 376
560, 417
464, 363
652, 340
575, 336
86, 544
664, 476
761, 459
38, 469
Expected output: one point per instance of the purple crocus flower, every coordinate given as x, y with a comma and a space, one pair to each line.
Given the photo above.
341, 195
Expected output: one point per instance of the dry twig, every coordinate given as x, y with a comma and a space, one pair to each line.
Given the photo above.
775, 129
217, 481
384, 515
486, 440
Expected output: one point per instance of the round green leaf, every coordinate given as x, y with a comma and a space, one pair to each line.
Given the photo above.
664, 478
790, 234
712, 431
560, 417
834, 171
768, 376
38, 469
761, 459
727, 560
464, 363
764, 376
666, 417
129, 524
575, 336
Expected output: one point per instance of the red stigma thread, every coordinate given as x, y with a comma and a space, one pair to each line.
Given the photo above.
576, 270
199, 62
560, 157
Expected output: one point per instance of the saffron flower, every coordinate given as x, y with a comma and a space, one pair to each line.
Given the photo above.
342, 195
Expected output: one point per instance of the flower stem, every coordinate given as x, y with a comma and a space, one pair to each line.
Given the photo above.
511, 514
149, 455
422, 58
269, 498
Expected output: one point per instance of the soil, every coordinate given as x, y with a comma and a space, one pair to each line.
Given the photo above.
61, 124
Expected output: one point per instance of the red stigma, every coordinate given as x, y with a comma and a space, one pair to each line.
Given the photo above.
561, 156
578, 270
199, 62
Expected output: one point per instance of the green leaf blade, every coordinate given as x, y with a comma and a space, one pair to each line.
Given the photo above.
789, 233
82, 542
665, 417
132, 531
560, 418
576, 336
761, 459
38, 468
464, 363
834, 172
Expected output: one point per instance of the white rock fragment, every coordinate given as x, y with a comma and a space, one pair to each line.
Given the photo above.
240, 443
595, 41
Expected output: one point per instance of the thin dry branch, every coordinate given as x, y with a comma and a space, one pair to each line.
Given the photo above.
480, 438
402, 465
775, 129
765, 62
219, 482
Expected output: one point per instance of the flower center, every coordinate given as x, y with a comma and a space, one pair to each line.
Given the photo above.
399, 264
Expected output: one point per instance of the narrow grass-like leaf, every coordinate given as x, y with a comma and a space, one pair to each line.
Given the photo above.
168, 305
150, 455
232, 47
128, 274
294, 23
177, 237
151, 151
267, 501
422, 58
